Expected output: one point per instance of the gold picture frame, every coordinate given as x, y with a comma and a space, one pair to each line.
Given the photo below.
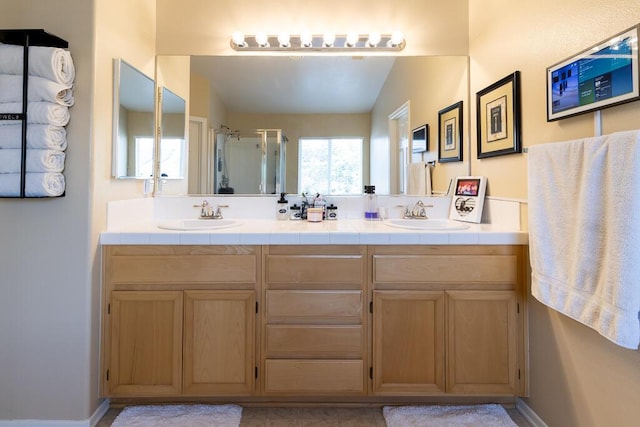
450, 133
498, 118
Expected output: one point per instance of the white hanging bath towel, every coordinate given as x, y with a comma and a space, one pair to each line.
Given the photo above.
419, 182
37, 112
38, 89
37, 160
49, 62
36, 184
38, 136
584, 232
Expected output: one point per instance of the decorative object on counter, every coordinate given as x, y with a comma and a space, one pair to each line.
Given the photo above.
450, 133
332, 212
320, 202
601, 76
36, 91
498, 117
295, 213
371, 203
282, 212
314, 214
468, 198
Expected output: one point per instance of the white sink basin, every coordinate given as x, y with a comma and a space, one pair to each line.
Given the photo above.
426, 224
198, 224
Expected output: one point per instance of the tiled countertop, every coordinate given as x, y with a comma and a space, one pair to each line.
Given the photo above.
340, 232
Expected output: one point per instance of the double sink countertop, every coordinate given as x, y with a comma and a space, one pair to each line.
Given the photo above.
136, 222
338, 232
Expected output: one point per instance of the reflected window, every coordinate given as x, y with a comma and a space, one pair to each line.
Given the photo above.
330, 165
144, 156
171, 157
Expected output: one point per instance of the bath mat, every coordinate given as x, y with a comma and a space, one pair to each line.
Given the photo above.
449, 416
179, 416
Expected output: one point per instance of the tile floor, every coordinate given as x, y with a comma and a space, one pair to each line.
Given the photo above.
312, 417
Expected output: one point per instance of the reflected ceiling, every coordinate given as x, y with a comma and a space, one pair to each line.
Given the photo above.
295, 85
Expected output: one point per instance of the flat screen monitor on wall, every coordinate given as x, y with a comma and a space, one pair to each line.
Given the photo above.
598, 77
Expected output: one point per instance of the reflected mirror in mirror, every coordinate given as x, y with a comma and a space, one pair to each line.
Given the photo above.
173, 161
329, 98
133, 122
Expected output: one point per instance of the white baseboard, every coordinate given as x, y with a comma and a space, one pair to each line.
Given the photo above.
91, 422
529, 414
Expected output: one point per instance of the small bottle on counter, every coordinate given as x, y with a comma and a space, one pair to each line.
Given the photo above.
371, 203
295, 214
282, 212
332, 212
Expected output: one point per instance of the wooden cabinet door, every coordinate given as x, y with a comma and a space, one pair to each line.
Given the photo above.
482, 342
408, 342
146, 343
219, 349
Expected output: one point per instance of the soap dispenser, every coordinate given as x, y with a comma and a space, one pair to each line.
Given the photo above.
371, 203
282, 213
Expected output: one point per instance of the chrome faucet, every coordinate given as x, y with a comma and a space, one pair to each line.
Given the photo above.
207, 211
419, 211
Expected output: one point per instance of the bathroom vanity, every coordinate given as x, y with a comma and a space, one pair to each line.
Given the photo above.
314, 322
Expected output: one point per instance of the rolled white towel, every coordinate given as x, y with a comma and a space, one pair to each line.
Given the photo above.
38, 136
38, 89
37, 160
37, 112
49, 62
36, 184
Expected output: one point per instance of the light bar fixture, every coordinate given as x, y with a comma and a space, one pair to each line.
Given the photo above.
318, 43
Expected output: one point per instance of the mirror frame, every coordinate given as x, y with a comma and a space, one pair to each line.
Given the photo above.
117, 152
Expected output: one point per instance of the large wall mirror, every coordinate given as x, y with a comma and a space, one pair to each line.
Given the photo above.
326, 97
133, 122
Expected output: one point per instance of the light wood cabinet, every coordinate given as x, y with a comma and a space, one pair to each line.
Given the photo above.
146, 343
180, 320
448, 319
314, 321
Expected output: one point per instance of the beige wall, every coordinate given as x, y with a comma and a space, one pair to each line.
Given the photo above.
49, 259
577, 377
429, 84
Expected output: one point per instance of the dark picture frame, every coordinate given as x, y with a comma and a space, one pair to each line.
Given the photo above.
420, 139
498, 118
450, 133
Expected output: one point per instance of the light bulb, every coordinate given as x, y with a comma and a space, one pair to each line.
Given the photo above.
238, 39
284, 39
352, 39
328, 39
262, 39
396, 39
374, 39
306, 39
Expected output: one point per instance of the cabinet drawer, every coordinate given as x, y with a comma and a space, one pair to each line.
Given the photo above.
230, 268
314, 269
445, 268
314, 306
314, 341
314, 376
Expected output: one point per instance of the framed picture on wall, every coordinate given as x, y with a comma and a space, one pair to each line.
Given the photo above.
450, 133
498, 117
420, 139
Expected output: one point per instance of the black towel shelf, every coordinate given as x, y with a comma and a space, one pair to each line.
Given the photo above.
27, 38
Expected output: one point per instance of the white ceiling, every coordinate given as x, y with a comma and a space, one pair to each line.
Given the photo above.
295, 85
